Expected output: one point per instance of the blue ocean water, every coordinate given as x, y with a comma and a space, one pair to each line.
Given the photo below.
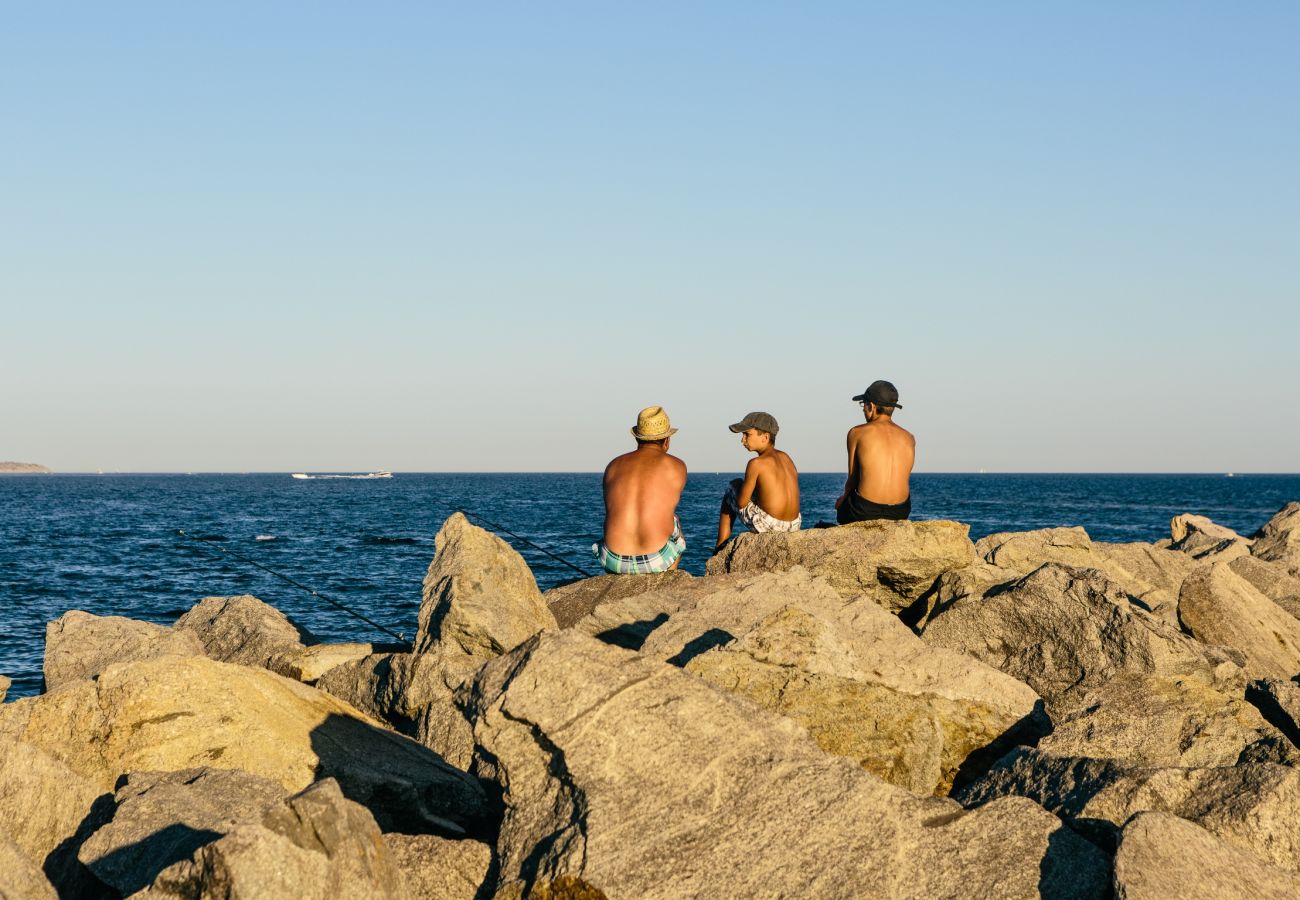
107, 544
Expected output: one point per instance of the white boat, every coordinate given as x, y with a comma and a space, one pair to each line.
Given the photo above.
358, 475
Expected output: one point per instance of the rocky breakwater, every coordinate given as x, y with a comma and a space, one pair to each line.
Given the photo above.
869, 711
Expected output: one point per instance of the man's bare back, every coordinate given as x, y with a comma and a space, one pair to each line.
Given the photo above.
641, 493
881, 455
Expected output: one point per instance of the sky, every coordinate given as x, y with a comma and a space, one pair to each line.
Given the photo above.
480, 237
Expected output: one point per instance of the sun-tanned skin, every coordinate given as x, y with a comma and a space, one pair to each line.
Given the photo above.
641, 493
771, 481
881, 455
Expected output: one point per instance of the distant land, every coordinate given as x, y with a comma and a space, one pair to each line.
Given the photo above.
17, 468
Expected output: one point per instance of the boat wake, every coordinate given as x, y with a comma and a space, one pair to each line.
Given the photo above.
304, 475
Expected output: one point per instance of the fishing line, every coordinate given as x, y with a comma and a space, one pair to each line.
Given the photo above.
314, 593
495, 527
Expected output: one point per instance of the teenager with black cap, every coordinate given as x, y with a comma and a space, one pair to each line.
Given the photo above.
881, 455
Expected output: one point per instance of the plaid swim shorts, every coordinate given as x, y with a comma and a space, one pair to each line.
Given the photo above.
662, 561
755, 516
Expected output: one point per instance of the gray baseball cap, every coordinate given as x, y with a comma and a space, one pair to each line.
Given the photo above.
760, 420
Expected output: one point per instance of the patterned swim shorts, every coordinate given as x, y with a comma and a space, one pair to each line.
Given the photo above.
755, 516
662, 561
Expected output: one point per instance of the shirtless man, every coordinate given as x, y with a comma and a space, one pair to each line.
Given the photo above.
642, 533
880, 461
767, 498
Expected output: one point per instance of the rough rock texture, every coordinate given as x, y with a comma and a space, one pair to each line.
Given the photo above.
1279, 540
310, 663
1272, 580
1164, 857
246, 631
4, 687
187, 712
1279, 703
47, 809
1203, 540
163, 817
1252, 805
1188, 525
434, 868
1150, 575
1220, 607
570, 602
893, 562
316, 844
80, 645
646, 782
479, 594
859, 680
1160, 720
20, 878
1063, 631
1024, 551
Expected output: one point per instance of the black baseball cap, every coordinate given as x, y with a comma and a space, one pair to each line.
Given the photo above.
760, 420
881, 393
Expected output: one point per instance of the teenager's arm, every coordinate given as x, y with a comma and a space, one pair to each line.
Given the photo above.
746, 492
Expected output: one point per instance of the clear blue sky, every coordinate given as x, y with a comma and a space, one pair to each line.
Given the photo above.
285, 236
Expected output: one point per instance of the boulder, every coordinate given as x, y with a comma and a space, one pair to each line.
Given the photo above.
434, 868
1199, 537
187, 712
47, 810
643, 781
1218, 606
1024, 551
1251, 805
1164, 857
309, 664
80, 645
20, 878
245, 631
893, 562
1063, 630
316, 845
479, 594
1279, 703
856, 677
1272, 580
1279, 540
5, 684
163, 817
1148, 574
1158, 720
571, 602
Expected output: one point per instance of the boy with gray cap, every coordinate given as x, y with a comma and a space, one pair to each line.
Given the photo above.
767, 498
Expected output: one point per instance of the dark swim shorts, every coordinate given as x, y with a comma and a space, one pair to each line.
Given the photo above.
857, 509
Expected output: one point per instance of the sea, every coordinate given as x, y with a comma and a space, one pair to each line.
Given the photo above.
151, 546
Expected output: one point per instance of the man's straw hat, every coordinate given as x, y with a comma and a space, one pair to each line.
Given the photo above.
652, 425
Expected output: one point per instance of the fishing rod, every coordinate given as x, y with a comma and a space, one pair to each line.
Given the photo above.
583, 572
314, 593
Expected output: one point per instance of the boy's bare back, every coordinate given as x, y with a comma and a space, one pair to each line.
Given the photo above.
777, 488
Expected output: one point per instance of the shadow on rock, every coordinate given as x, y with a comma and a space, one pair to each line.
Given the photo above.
143, 860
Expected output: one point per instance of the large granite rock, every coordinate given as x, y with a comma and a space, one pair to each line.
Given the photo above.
20, 878
187, 712
316, 845
1279, 703
1024, 551
415, 693
479, 594
434, 868
1150, 575
310, 664
571, 602
80, 645
1279, 540
5, 684
856, 677
47, 810
1252, 805
1204, 540
893, 562
1160, 720
644, 781
1272, 580
245, 631
1218, 606
1064, 631
163, 817
1164, 857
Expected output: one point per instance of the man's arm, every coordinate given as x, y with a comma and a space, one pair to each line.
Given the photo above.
746, 492
852, 448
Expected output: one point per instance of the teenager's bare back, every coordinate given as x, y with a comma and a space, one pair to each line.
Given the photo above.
641, 493
777, 491
881, 455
